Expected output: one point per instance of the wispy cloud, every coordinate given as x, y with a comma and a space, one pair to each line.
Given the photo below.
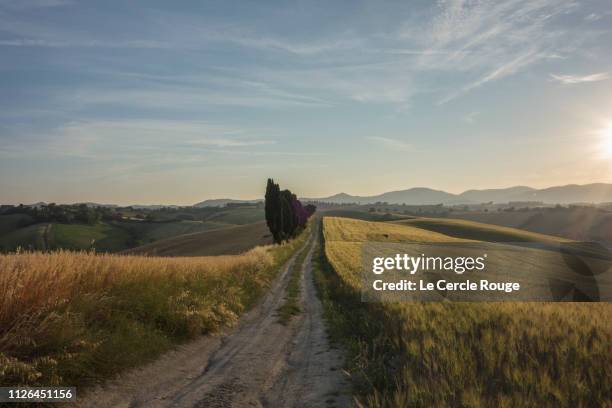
394, 144
460, 46
145, 139
195, 34
25, 4
247, 152
477, 42
151, 87
579, 79
75, 43
193, 96
506, 69
493, 40
298, 48
593, 17
471, 117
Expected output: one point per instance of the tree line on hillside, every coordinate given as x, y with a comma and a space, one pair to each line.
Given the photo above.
91, 213
285, 214
62, 213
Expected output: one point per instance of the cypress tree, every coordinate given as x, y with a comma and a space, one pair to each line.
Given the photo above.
272, 210
285, 215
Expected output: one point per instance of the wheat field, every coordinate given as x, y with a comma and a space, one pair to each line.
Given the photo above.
421, 354
74, 318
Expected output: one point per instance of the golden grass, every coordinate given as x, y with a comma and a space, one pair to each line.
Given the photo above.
36, 281
72, 318
351, 230
478, 230
460, 354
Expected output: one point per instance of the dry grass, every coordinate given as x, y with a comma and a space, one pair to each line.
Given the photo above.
75, 318
351, 230
460, 354
478, 230
33, 282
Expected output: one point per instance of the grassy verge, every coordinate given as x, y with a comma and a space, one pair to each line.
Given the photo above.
423, 354
290, 306
75, 318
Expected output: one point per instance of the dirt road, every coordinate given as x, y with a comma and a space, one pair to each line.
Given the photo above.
260, 363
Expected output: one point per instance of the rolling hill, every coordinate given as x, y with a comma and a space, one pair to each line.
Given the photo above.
399, 353
28, 238
129, 229
478, 231
103, 236
579, 223
12, 222
226, 241
222, 202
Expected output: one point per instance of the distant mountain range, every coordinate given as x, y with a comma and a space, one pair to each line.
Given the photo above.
569, 194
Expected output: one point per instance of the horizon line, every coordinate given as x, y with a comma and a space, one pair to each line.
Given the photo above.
301, 197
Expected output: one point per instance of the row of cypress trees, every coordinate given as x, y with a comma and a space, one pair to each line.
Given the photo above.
285, 214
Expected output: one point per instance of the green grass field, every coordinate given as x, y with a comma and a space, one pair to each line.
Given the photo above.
12, 222
116, 236
30, 237
102, 237
147, 232
422, 354
155, 237
238, 216
45, 236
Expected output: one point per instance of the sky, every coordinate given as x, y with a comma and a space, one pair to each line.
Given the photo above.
146, 102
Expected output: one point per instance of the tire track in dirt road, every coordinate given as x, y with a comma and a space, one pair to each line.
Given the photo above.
312, 374
260, 363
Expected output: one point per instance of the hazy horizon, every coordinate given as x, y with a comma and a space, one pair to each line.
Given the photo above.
261, 197
158, 103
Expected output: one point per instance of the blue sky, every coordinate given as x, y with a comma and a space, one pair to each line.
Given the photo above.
175, 102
